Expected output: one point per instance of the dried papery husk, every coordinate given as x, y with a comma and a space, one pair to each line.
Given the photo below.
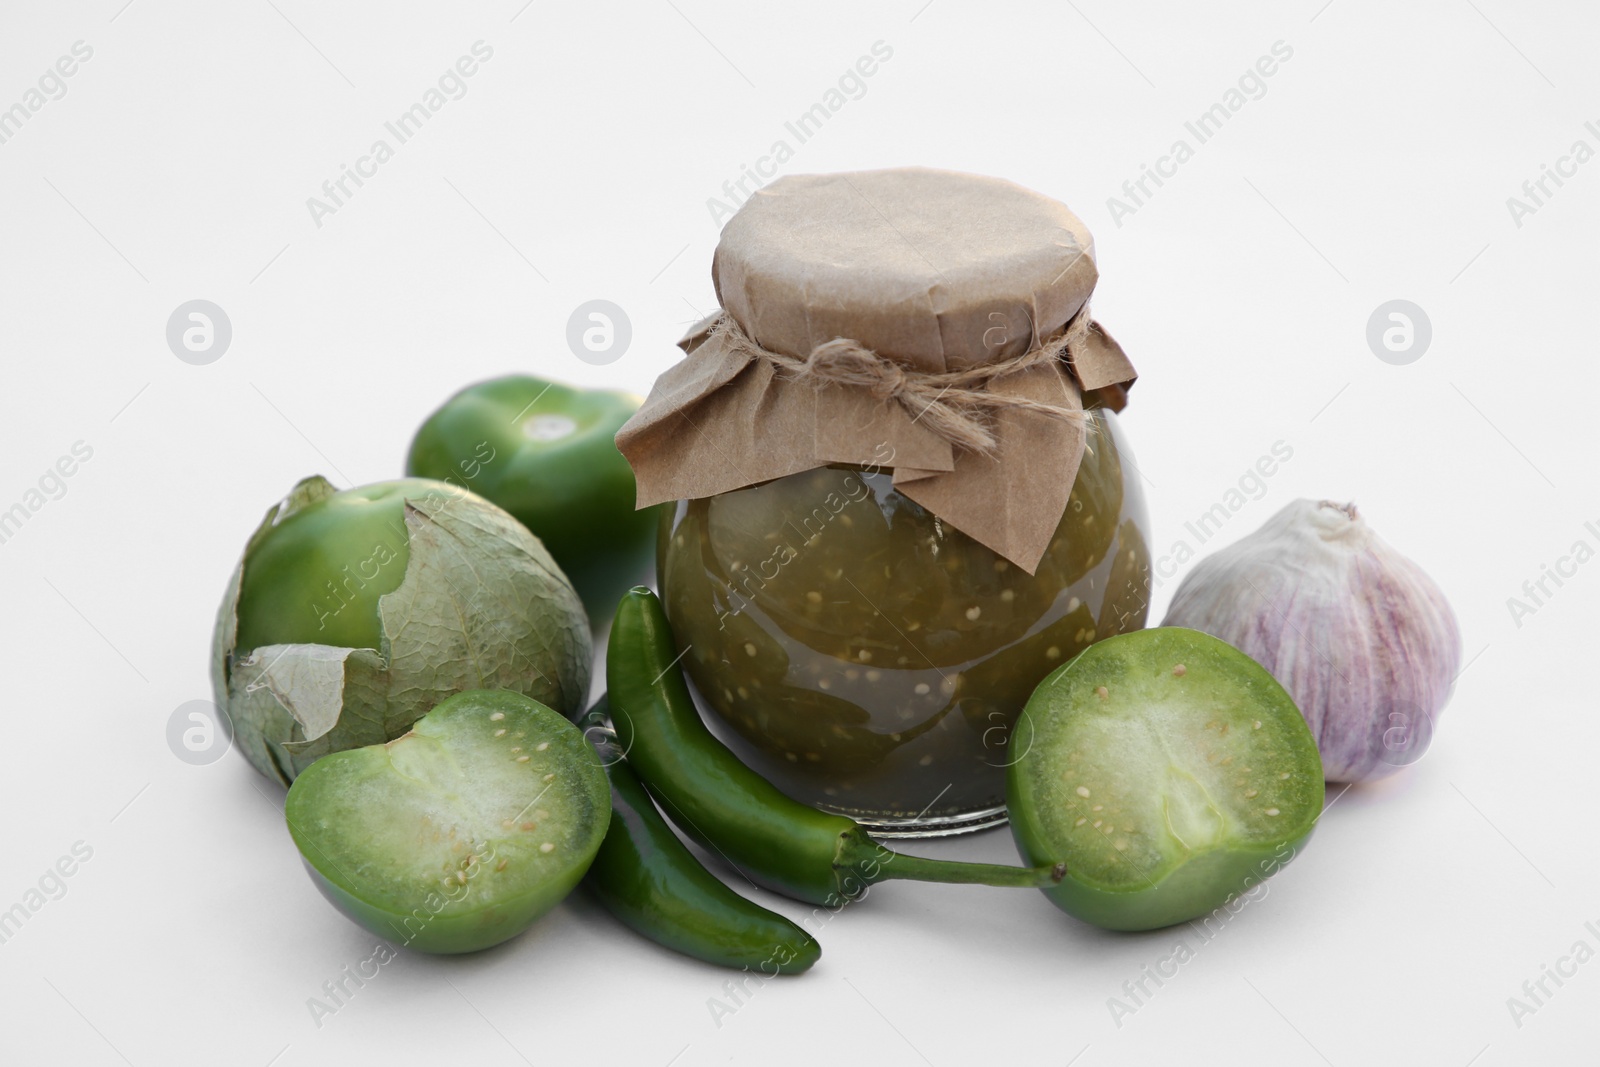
1364, 641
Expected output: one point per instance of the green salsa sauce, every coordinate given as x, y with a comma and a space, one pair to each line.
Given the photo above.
870, 659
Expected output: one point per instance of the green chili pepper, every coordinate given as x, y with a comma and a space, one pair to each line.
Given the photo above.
777, 842
646, 877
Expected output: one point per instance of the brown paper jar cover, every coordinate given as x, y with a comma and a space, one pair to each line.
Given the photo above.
935, 270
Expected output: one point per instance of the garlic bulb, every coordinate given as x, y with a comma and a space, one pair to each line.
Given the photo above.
1362, 639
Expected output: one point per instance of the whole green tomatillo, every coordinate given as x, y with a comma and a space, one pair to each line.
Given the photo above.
353, 613
547, 454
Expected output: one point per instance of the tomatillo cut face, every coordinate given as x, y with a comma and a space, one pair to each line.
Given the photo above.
547, 453
1168, 771
459, 834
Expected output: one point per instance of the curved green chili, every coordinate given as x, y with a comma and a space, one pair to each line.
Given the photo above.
647, 878
777, 842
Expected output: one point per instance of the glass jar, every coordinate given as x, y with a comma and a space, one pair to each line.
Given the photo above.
871, 660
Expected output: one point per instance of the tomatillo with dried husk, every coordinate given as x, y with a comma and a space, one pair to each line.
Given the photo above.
1168, 771
460, 833
546, 453
353, 613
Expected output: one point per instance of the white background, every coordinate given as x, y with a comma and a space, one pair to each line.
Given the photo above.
1377, 165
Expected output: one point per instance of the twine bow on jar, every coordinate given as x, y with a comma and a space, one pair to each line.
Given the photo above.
958, 406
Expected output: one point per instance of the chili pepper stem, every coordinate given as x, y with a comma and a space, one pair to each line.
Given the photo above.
861, 855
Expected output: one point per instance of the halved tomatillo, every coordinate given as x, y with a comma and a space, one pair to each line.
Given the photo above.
1168, 771
459, 834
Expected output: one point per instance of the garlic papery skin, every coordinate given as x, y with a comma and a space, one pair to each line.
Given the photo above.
1362, 639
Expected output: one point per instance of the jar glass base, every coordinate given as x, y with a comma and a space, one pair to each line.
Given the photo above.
881, 826
934, 826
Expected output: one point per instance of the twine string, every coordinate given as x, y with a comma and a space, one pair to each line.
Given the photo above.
958, 405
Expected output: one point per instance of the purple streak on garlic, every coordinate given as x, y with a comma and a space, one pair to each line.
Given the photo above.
1362, 639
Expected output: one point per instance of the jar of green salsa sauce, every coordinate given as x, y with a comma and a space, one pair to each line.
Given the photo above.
867, 653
